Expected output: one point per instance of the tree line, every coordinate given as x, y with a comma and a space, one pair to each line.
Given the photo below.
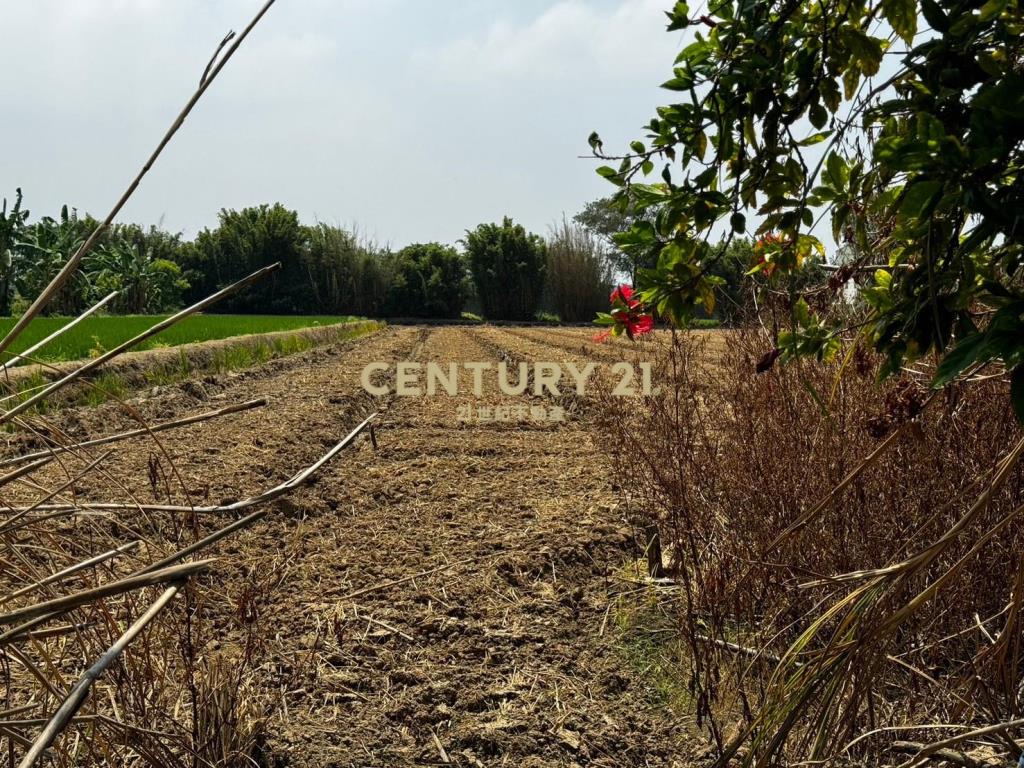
500, 270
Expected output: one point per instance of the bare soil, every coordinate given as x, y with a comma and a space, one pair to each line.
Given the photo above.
443, 599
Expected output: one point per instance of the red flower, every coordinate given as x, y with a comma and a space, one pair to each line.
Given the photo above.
628, 314
640, 324
625, 294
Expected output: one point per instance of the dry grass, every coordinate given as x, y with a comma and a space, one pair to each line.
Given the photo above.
787, 661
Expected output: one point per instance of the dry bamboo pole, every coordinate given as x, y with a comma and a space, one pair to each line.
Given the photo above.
9, 526
18, 710
63, 629
71, 570
203, 543
78, 693
209, 75
273, 493
26, 470
77, 599
125, 346
58, 333
269, 495
162, 427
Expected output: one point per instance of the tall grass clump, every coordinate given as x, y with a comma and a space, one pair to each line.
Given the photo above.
579, 273
845, 554
345, 273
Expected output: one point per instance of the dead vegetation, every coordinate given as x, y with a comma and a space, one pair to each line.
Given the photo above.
842, 559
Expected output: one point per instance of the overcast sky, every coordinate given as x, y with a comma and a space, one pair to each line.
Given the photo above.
410, 119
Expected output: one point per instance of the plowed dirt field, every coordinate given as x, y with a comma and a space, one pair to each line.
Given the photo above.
441, 599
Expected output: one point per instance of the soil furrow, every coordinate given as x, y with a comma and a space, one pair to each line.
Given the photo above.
443, 595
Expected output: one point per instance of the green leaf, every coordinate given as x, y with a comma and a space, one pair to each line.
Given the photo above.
837, 172
991, 9
817, 115
902, 16
919, 198
815, 138
960, 358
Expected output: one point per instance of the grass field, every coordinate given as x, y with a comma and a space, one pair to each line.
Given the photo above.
98, 334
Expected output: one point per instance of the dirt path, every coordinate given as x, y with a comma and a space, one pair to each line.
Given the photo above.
502, 538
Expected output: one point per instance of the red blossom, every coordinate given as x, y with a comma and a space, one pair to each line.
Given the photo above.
628, 313
640, 324
625, 294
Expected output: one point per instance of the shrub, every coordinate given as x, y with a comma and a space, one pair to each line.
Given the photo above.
146, 284
508, 266
40, 252
244, 242
429, 281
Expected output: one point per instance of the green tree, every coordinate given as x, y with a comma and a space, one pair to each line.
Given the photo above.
508, 265
245, 241
781, 114
145, 284
42, 249
344, 275
430, 280
782, 118
605, 219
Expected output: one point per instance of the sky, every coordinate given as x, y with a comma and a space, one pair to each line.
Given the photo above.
408, 120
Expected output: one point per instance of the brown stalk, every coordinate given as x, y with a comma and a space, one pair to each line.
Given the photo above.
71, 570
280, 490
78, 599
147, 430
76, 697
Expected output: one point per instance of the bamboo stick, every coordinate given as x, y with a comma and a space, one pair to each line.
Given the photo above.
78, 599
203, 543
9, 526
269, 495
58, 333
78, 693
71, 265
26, 470
71, 570
162, 427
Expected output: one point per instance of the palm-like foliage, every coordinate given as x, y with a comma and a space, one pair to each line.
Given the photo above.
145, 283
40, 252
11, 224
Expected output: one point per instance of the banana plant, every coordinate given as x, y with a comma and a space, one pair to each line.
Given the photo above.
11, 224
146, 284
42, 250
